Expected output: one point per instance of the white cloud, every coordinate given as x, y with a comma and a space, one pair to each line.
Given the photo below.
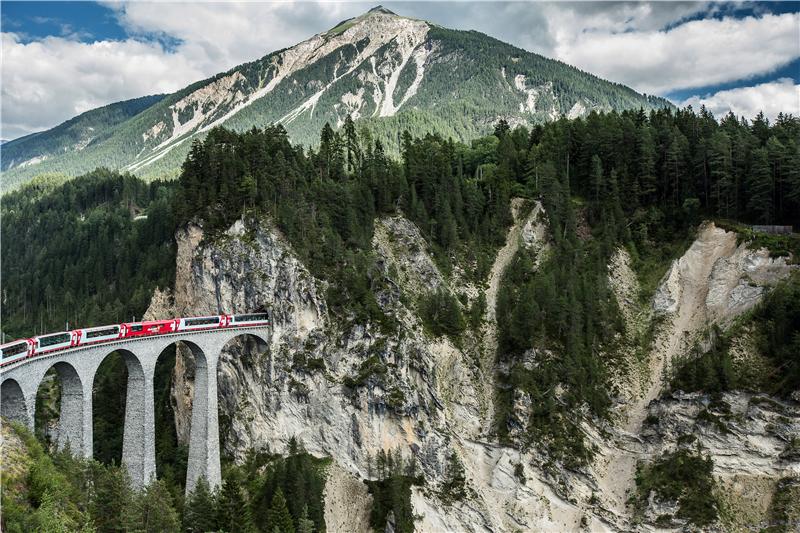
218, 36
772, 98
48, 81
693, 54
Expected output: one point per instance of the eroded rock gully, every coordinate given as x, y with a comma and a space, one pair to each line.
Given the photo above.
436, 398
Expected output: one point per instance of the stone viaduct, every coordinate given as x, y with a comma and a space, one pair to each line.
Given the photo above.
76, 368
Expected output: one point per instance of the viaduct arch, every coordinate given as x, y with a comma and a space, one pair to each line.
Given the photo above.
77, 367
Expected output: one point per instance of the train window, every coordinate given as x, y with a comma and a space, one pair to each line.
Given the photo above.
102, 332
14, 349
50, 340
253, 317
137, 327
202, 321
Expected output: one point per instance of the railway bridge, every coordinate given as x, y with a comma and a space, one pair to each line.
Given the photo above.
76, 368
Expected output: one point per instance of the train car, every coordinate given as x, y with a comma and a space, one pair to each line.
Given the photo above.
203, 322
20, 349
55, 341
15, 351
249, 319
147, 328
99, 334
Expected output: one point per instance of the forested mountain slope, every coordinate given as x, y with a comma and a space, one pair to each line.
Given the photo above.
377, 272
74, 135
391, 72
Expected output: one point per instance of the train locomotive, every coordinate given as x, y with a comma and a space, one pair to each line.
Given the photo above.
23, 348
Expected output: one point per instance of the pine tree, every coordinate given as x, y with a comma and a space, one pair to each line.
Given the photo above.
454, 486
278, 518
200, 511
154, 510
352, 148
233, 512
761, 188
597, 185
113, 499
645, 164
722, 174
305, 524
501, 129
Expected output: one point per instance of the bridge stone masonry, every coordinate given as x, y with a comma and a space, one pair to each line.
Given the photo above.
76, 368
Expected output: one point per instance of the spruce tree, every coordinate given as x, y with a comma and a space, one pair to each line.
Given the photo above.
154, 510
200, 511
233, 511
760, 203
305, 524
454, 486
278, 518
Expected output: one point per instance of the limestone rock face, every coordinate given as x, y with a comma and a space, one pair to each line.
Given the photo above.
723, 279
348, 390
423, 401
743, 432
751, 438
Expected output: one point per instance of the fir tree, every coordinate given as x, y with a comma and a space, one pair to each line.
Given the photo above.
305, 524
279, 518
200, 511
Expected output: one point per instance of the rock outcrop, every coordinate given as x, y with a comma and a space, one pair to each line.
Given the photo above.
712, 283
348, 390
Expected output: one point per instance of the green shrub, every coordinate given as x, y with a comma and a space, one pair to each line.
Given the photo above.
441, 314
371, 368
684, 477
454, 486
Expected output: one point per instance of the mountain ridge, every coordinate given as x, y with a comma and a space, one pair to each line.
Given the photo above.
387, 71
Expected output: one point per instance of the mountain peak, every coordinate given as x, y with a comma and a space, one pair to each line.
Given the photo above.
381, 9
360, 19
373, 66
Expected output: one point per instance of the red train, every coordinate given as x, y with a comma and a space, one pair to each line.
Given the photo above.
23, 348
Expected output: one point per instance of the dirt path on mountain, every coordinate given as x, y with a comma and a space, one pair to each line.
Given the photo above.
489, 347
682, 298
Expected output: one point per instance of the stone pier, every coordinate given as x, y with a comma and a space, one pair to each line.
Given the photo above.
76, 370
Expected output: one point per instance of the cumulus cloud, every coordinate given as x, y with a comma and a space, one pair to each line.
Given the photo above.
655, 47
46, 82
774, 97
693, 54
218, 36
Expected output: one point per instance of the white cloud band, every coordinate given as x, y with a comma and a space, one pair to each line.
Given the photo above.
781, 96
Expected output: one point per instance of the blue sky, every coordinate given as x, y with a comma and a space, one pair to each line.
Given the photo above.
63, 58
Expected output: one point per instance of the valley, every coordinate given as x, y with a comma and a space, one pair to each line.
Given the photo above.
502, 294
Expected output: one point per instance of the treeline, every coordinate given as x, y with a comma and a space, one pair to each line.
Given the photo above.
86, 252
267, 493
675, 166
325, 201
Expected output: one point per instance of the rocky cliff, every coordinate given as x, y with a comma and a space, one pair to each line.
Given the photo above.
348, 390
